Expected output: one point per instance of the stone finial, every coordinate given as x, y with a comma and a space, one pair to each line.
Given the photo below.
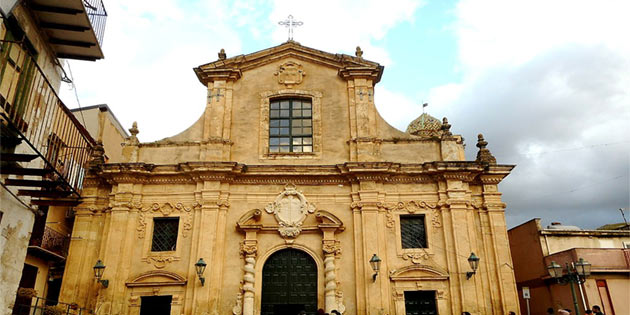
446, 128
484, 155
359, 52
133, 140
97, 158
222, 54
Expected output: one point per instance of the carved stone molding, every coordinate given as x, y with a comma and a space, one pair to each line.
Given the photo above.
290, 73
411, 207
249, 248
165, 209
417, 258
331, 247
290, 209
160, 261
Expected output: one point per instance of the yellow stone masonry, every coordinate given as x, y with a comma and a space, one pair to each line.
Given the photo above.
238, 203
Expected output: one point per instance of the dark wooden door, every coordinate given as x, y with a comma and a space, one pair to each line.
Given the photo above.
420, 303
155, 305
289, 284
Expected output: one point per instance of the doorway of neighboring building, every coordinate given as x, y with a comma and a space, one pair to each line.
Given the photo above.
22, 304
289, 284
156, 305
420, 303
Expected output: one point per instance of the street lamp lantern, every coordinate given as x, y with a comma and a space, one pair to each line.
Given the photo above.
200, 266
375, 262
99, 268
555, 270
576, 273
583, 268
473, 260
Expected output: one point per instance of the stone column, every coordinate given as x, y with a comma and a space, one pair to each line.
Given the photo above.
249, 248
330, 248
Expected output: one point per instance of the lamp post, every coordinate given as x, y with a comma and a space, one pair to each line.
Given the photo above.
577, 272
99, 268
200, 267
375, 262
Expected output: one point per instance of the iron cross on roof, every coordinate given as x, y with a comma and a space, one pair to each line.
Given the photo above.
290, 23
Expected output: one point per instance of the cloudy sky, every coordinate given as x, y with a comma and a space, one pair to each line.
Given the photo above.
546, 82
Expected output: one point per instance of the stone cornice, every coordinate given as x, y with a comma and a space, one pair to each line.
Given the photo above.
387, 172
231, 68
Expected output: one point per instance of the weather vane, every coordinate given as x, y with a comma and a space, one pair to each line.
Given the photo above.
290, 23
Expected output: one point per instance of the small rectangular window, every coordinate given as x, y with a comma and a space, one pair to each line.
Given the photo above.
412, 231
164, 234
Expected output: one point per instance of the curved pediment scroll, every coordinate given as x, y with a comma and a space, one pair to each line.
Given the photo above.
327, 219
250, 219
156, 278
418, 272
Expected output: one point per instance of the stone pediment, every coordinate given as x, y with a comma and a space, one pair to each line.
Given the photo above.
232, 68
156, 278
417, 272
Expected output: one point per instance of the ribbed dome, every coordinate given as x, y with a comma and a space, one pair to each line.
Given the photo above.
425, 125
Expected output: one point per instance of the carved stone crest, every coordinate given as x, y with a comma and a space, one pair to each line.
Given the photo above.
290, 210
290, 73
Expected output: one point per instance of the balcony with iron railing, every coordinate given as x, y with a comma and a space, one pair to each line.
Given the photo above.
51, 244
44, 148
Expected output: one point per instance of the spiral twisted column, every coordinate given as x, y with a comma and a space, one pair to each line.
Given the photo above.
330, 280
248, 285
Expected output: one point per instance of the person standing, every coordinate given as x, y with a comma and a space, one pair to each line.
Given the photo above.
597, 310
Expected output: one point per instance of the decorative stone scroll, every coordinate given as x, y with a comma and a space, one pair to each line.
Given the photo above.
166, 209
290, 210
412, 207
290, 73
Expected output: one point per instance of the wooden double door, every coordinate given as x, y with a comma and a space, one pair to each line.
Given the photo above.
289, 284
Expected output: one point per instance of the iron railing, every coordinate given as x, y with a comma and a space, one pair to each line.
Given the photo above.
25, 305
32, 109
52, 241
98, 17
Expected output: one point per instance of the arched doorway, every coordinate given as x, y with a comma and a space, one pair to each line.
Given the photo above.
289, 283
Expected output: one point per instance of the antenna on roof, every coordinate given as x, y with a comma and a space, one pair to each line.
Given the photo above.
624, 217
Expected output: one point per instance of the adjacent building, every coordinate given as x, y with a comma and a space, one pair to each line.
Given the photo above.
291, 193
534, 248
43, 147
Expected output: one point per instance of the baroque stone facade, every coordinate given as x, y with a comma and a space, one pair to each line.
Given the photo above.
340, 201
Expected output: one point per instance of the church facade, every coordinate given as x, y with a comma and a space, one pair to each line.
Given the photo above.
292, 194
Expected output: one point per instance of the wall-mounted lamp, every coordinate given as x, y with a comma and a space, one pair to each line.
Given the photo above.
99, 268
473, 260
200, 266
375, 262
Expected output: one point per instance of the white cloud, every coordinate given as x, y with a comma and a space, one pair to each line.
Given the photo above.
340, 26
540, 77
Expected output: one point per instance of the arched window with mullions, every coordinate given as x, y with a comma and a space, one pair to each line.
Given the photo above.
290, 125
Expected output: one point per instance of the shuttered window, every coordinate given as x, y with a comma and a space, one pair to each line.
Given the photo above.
412, 231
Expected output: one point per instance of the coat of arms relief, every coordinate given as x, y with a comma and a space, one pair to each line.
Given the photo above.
290, 73
290, 209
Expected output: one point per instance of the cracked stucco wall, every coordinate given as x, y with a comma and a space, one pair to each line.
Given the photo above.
15, 232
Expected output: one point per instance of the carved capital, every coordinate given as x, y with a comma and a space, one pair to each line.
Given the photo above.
249, 248
331, 247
